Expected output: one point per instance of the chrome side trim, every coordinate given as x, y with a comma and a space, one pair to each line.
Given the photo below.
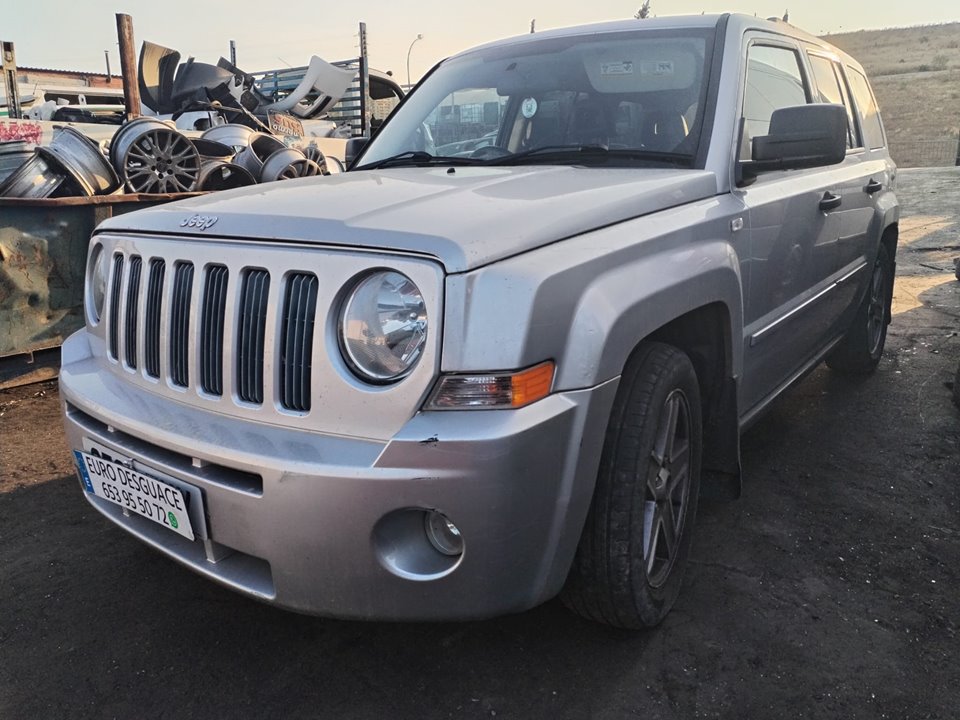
853, 272
758, 335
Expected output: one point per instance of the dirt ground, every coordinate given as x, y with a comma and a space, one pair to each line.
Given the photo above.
830, 590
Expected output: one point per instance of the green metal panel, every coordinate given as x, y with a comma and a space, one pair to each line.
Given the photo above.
43, 252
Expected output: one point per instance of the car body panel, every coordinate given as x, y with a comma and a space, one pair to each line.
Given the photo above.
434, 212
565, 263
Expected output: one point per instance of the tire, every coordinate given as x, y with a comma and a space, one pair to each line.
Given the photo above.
861, 348
617, 578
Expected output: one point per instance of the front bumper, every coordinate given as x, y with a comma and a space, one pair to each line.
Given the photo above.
297, 518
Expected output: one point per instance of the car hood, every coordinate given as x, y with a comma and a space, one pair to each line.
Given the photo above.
465, 216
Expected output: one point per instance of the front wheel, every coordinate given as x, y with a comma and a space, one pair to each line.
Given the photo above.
629, 564
860, 350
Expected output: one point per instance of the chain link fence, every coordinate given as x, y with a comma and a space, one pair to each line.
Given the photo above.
944, 152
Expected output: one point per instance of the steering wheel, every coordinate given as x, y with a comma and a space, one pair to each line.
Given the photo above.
488, 152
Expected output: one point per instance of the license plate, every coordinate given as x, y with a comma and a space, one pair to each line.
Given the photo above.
135, 492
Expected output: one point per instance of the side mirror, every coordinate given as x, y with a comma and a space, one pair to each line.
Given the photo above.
355, 146
804, 136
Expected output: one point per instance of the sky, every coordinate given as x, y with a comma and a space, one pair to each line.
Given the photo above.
74, 35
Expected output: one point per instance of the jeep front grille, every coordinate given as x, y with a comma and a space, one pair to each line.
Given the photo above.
252, 326
248, 330
133, 301
296, 342
115, 305
151, 330
211, 329
180, 323
166, 327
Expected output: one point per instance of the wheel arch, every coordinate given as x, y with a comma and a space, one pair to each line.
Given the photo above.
700, 314
890, 237
705, 336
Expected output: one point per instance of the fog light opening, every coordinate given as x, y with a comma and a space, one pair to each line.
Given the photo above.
442, 534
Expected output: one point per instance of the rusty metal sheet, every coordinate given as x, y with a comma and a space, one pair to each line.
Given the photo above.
43, 250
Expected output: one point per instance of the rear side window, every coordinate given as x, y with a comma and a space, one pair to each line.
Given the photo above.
774, 81
831, 89
869, 112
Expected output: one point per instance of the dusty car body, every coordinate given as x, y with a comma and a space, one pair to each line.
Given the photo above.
445, 388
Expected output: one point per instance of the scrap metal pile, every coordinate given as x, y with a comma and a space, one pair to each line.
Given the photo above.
153, 155
148, 155
169, 87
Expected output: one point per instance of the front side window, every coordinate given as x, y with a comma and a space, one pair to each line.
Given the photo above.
774, 81
621, 99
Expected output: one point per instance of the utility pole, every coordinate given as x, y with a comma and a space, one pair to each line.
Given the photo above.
128, 66
106, 56
8, 60
233, 53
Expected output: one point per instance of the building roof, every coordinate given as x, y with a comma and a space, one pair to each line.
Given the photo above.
55, 71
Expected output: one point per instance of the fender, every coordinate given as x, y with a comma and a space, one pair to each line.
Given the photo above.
629, 303
587, 301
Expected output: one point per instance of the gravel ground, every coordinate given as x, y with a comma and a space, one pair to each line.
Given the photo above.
830, 590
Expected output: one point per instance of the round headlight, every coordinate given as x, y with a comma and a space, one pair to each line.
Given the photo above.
100, 269
383, 328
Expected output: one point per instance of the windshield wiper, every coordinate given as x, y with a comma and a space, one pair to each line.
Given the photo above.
418, 158
594, 153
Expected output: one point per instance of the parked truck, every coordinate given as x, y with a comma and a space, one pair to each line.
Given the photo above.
447, 387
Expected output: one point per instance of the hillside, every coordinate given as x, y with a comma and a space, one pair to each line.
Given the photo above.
915, 74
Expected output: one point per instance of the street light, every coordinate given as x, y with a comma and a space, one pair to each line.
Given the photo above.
419, 37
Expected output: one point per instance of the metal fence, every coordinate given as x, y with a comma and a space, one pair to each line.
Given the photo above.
926, 153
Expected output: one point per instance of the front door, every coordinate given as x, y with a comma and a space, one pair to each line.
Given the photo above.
794, 227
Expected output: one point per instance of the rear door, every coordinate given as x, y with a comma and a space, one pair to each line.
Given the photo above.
879, 168
794, 233
858, 232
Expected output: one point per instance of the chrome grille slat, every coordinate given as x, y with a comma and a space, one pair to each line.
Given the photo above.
179, 340
151, 329
252, 326
296, 350
131, 311
115, 306
211, 329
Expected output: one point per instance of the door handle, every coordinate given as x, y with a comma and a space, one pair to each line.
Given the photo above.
873, 186
830, 201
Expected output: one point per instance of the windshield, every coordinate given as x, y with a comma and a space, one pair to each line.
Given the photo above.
631, 98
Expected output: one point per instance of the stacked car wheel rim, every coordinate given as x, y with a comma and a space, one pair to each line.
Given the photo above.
71, 165
38, 177
232, 134
287, 164
152, 157
253, 156
83, 162
222, 175
13, 154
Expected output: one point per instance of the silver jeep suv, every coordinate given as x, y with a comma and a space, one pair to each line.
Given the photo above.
444, 387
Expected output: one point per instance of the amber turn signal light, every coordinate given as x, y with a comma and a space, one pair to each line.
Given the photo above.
493, 390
